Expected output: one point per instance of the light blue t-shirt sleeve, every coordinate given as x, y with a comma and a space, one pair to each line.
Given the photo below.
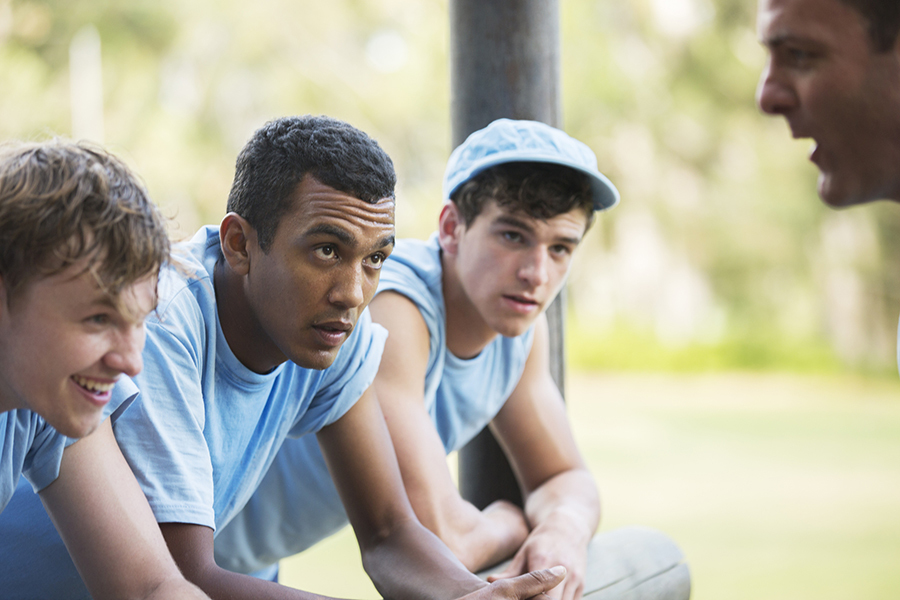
351, 374
162, 435
30, 447
41, 467
33, 449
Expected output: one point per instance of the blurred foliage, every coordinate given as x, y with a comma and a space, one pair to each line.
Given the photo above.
720, 254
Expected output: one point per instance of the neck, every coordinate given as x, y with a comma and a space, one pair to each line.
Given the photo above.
467, 332
243, 331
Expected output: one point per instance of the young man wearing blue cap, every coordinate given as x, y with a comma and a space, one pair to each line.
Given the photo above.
261, 333
468, 348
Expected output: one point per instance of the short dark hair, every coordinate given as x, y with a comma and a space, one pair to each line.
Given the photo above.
283, 151
540, 190
62, 201
883, 18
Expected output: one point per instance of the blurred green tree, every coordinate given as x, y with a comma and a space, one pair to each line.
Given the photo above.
719, 256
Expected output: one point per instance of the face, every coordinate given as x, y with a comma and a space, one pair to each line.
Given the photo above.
64, 343
319, 274
825, 79
509, 265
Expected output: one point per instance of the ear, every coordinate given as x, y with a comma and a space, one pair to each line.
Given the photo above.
236, 238
450, 228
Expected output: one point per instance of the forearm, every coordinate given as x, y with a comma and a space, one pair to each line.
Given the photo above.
221, 584
568, 503
411, 562
192, 548
176, 588
483, 538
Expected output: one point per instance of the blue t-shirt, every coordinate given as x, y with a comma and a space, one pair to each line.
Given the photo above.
297, 505
208, 427
24, 525
33, 449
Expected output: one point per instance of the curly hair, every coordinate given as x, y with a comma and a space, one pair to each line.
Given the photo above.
283, 151
62, 201
540, 190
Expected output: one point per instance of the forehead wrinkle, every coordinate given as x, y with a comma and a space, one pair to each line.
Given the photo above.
332, 230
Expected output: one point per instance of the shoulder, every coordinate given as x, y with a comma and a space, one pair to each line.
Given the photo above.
411, 261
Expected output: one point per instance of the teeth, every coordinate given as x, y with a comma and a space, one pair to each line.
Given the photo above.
92, 385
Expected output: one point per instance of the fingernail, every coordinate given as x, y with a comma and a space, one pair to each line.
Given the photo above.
558, 570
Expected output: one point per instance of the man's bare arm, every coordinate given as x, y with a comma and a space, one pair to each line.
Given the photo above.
561, 500
192, 547
402, 557
478, 538
108, 527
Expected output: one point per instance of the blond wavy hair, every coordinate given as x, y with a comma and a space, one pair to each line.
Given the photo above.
62, 201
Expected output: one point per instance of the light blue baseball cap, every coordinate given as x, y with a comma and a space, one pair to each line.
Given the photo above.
507, 140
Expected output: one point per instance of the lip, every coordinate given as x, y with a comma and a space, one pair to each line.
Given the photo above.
521, 304
333, 333
814, 154
97, 391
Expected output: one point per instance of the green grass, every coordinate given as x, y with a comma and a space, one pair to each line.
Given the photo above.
630, 348
782, 487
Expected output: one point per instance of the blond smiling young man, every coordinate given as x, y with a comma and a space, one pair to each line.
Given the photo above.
80, 248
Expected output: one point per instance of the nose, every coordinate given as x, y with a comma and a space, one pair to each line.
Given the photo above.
774, 95
533, 269
348, 289
125, 357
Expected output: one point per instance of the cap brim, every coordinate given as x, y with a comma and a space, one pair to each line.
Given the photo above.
604, 193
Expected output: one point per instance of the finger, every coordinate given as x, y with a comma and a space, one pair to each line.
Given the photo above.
572, 589
531, 584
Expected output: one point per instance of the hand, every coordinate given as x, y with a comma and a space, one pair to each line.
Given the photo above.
510, 530
530, 585
551, 546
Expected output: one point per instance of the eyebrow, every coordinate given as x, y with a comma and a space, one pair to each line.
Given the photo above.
345, 238
780, 39
514, 222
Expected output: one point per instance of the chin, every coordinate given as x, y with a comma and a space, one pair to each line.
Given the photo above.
78, 427
838, 194
317, 360
514, 329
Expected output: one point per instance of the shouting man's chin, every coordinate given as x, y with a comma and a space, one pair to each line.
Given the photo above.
838, 194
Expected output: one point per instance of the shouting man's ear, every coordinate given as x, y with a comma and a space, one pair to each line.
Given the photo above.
236, 237
450, 228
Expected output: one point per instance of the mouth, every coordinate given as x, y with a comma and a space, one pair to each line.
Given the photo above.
98, 391
333, 333
522, 304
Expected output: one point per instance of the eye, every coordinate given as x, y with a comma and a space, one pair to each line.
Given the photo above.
512, 236
99, 319
796, 56
326, 252
376, 260
560, 250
